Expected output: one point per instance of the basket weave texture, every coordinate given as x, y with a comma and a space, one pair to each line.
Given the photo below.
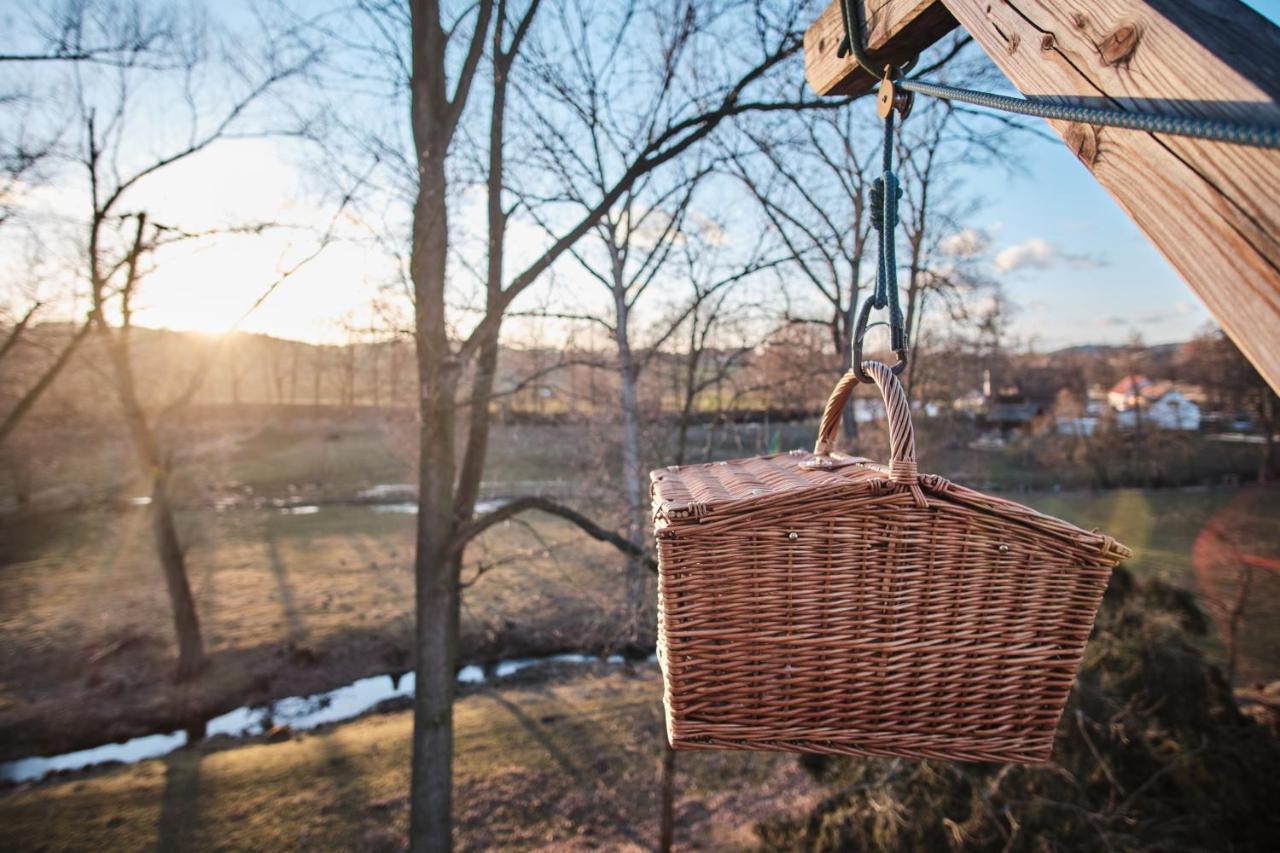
825, 603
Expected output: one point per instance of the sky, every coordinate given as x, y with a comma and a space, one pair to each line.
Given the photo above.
1074, 266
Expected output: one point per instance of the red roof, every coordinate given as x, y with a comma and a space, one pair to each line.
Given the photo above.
1129, 384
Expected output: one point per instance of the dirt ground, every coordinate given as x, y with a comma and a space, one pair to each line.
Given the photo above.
289, 604
559, 766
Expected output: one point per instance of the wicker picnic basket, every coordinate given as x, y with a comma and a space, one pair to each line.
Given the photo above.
825, 603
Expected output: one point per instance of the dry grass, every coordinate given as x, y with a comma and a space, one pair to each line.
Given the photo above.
567, 766
294, 604
288, 604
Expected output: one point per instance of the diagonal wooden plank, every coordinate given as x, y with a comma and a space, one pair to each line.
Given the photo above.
1212, 209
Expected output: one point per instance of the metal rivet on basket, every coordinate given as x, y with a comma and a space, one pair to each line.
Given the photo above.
1002, 548
792, 535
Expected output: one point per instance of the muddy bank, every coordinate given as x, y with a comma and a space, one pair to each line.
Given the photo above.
290, 604
130, 693
282, 719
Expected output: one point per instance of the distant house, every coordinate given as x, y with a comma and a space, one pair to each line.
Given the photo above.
1073, 413
1084, 425
1014, 416
1126, 393
1158, 405
1097, 405
1018, 406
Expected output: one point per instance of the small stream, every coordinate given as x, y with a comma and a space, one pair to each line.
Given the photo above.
295, 712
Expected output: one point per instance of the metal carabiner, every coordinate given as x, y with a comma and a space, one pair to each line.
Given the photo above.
860, 331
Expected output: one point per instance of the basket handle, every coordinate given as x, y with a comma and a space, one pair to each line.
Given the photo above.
902, 438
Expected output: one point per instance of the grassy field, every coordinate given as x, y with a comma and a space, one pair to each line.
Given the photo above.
1195, 539
300, 603
1160, 526
572, 765
295, 603
288, 603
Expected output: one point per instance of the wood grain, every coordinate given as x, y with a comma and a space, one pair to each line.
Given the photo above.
1212, 209
896, 31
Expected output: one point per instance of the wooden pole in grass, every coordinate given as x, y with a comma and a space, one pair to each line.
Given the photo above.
1212, 209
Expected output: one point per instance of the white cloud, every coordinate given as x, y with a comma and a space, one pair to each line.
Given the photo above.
1030, 254
965, 243
1039, 254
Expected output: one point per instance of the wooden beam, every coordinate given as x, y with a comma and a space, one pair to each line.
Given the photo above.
896, 31
1212, 209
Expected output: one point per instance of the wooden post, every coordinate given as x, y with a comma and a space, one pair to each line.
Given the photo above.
1212, 209
896, 30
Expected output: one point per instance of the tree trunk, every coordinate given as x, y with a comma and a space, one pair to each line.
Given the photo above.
849, 419
667, 831
186, 624
633, 490
486, 368
435, 566
152, 461
437, 600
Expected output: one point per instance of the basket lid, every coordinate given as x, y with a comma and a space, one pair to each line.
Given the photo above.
693, 493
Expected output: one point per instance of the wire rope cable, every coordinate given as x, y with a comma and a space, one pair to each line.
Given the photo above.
1235, 133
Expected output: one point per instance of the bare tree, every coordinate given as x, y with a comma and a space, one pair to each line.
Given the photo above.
448, 488
121, 244
716, 311
713, 62
28, 142
943, 258
810, 175
1233, 386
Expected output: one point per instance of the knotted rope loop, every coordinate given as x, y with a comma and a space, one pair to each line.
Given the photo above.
884, 196
877, 203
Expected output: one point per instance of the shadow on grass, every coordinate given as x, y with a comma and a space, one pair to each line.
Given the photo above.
180, 802
582, 777
280, 572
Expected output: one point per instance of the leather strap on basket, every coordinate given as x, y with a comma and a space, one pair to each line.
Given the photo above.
902, 439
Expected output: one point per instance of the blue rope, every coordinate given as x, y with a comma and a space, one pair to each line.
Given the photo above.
885, 193
1198, 128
